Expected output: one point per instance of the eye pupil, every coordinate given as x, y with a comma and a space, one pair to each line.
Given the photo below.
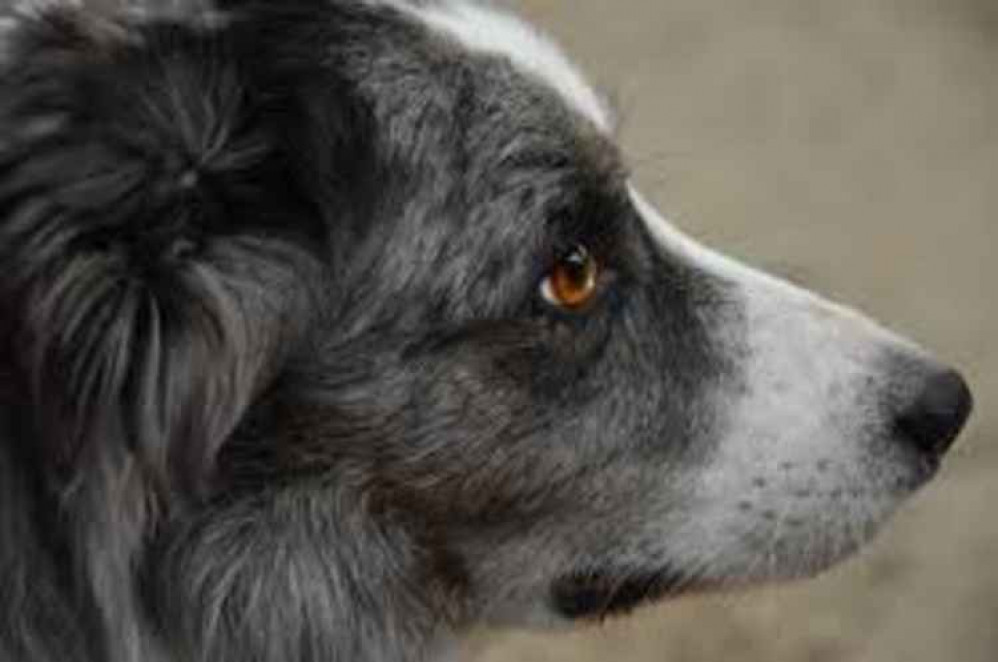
574, 279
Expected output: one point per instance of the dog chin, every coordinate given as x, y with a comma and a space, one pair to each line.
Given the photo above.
599, 595
594, 595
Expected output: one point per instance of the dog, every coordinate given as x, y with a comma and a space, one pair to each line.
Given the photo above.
332, 328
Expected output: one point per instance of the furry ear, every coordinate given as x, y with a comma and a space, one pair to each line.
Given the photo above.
159, 258
155, 245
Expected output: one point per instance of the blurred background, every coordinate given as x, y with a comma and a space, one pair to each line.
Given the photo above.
852, 145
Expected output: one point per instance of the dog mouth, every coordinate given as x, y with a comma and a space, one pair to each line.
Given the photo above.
597, 595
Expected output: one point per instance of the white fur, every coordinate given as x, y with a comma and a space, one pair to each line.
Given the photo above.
488, 30
758, 281
798, 433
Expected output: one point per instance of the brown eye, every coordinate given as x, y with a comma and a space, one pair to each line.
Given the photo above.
574, 280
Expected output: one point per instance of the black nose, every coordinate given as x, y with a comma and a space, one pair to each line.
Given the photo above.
938, 413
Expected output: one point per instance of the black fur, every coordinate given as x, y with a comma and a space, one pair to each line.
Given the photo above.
276, 381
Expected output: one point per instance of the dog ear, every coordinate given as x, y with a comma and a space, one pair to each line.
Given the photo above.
157, 251
160, 260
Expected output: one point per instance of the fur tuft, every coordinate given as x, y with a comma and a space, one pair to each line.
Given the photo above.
132, 198
145, 207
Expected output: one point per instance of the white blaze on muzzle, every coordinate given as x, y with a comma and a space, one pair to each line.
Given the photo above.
833, 421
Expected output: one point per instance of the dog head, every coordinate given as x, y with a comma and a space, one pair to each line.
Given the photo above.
387, 255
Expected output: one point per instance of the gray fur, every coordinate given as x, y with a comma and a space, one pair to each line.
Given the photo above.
278, 381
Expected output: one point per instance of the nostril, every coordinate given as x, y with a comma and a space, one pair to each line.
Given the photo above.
940, 410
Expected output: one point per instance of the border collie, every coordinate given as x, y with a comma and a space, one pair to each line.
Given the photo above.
331, 328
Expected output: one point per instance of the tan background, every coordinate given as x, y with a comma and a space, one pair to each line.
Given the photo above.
852, 144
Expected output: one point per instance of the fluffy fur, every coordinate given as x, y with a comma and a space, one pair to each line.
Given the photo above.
278, 381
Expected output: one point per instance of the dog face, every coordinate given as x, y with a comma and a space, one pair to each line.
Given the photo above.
430, 291
692, 423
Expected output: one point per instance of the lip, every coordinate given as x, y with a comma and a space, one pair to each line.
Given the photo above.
598, 594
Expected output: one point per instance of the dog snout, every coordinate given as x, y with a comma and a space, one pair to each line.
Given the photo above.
933, 418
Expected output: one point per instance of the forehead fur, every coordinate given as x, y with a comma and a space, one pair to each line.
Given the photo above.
483, 28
